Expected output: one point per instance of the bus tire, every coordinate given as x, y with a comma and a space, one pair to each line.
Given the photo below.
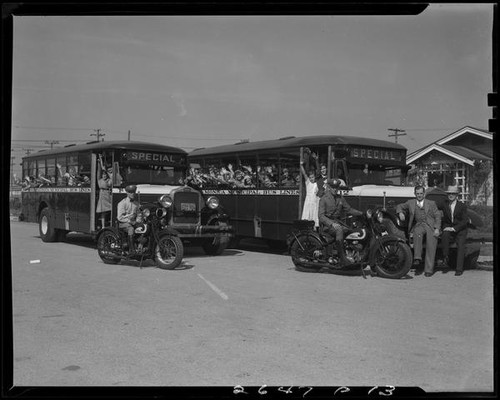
46, 226
216, 246
169, 252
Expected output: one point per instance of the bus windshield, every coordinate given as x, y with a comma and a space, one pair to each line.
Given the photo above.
365, 174
152, 168
151, 174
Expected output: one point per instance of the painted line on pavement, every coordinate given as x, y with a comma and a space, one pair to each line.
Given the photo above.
214, 288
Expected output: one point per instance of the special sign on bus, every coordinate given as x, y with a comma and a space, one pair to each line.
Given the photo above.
375, 154
151, 157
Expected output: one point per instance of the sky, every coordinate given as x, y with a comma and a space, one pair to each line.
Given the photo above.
201, 81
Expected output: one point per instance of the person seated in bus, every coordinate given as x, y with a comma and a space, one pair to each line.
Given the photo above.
126, 215
249, 176
264, 178
194, 178
236, 177
29, 182
333, 207
311, 202
42, 181
286, 180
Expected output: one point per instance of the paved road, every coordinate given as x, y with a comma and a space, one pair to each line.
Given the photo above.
244, 318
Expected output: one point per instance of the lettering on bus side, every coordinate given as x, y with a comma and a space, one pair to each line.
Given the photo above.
260, 192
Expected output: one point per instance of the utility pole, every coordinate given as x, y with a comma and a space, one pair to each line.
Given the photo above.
396, 133
52, 143
129, 135
98, 134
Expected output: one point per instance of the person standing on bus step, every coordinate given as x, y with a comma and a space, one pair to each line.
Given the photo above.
424, 220
127, 213
311, 202
105, 184
455, 221
332, 207
321, 180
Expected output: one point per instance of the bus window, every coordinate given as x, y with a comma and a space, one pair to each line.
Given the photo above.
267, 171
61, 165
290, 172
340, 173
249, 169
84, 168
51, 170
231, 172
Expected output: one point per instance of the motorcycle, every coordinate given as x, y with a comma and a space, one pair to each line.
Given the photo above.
153, 239
367, 242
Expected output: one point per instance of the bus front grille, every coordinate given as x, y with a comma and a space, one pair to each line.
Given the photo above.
186, 208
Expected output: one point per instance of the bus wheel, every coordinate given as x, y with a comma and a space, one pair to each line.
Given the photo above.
46, 226
215, 246
169, 252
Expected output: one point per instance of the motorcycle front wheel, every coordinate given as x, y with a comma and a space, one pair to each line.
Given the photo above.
302, 250
392, 259
107, 246
169, 252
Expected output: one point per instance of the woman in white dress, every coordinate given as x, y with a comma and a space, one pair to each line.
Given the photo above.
311, 202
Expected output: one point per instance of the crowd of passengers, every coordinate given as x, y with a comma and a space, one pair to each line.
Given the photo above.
242, 177
69, 178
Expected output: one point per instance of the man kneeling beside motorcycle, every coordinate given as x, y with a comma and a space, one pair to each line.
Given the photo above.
332, 207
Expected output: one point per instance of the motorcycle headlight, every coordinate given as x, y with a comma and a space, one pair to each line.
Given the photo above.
146, 212
213, 202
166, 201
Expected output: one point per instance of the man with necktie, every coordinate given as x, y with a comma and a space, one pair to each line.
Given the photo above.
424, 220
455, 221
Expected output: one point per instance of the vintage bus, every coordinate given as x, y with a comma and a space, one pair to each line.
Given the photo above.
61, 192
262, 187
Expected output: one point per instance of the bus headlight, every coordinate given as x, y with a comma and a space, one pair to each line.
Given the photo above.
161, 212
213, 202
166, 201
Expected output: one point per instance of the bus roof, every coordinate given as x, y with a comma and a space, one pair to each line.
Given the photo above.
101, 146
293, 142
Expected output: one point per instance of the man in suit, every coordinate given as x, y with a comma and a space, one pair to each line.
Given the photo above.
455, 220
424, 220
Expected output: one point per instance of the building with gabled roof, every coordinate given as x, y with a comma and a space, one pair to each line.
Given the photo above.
463, 158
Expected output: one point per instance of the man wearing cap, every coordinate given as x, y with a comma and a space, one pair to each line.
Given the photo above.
332, 207
424, 220
127, 212
455, 220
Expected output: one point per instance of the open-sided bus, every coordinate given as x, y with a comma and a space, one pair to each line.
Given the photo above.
61, 190
261, 185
